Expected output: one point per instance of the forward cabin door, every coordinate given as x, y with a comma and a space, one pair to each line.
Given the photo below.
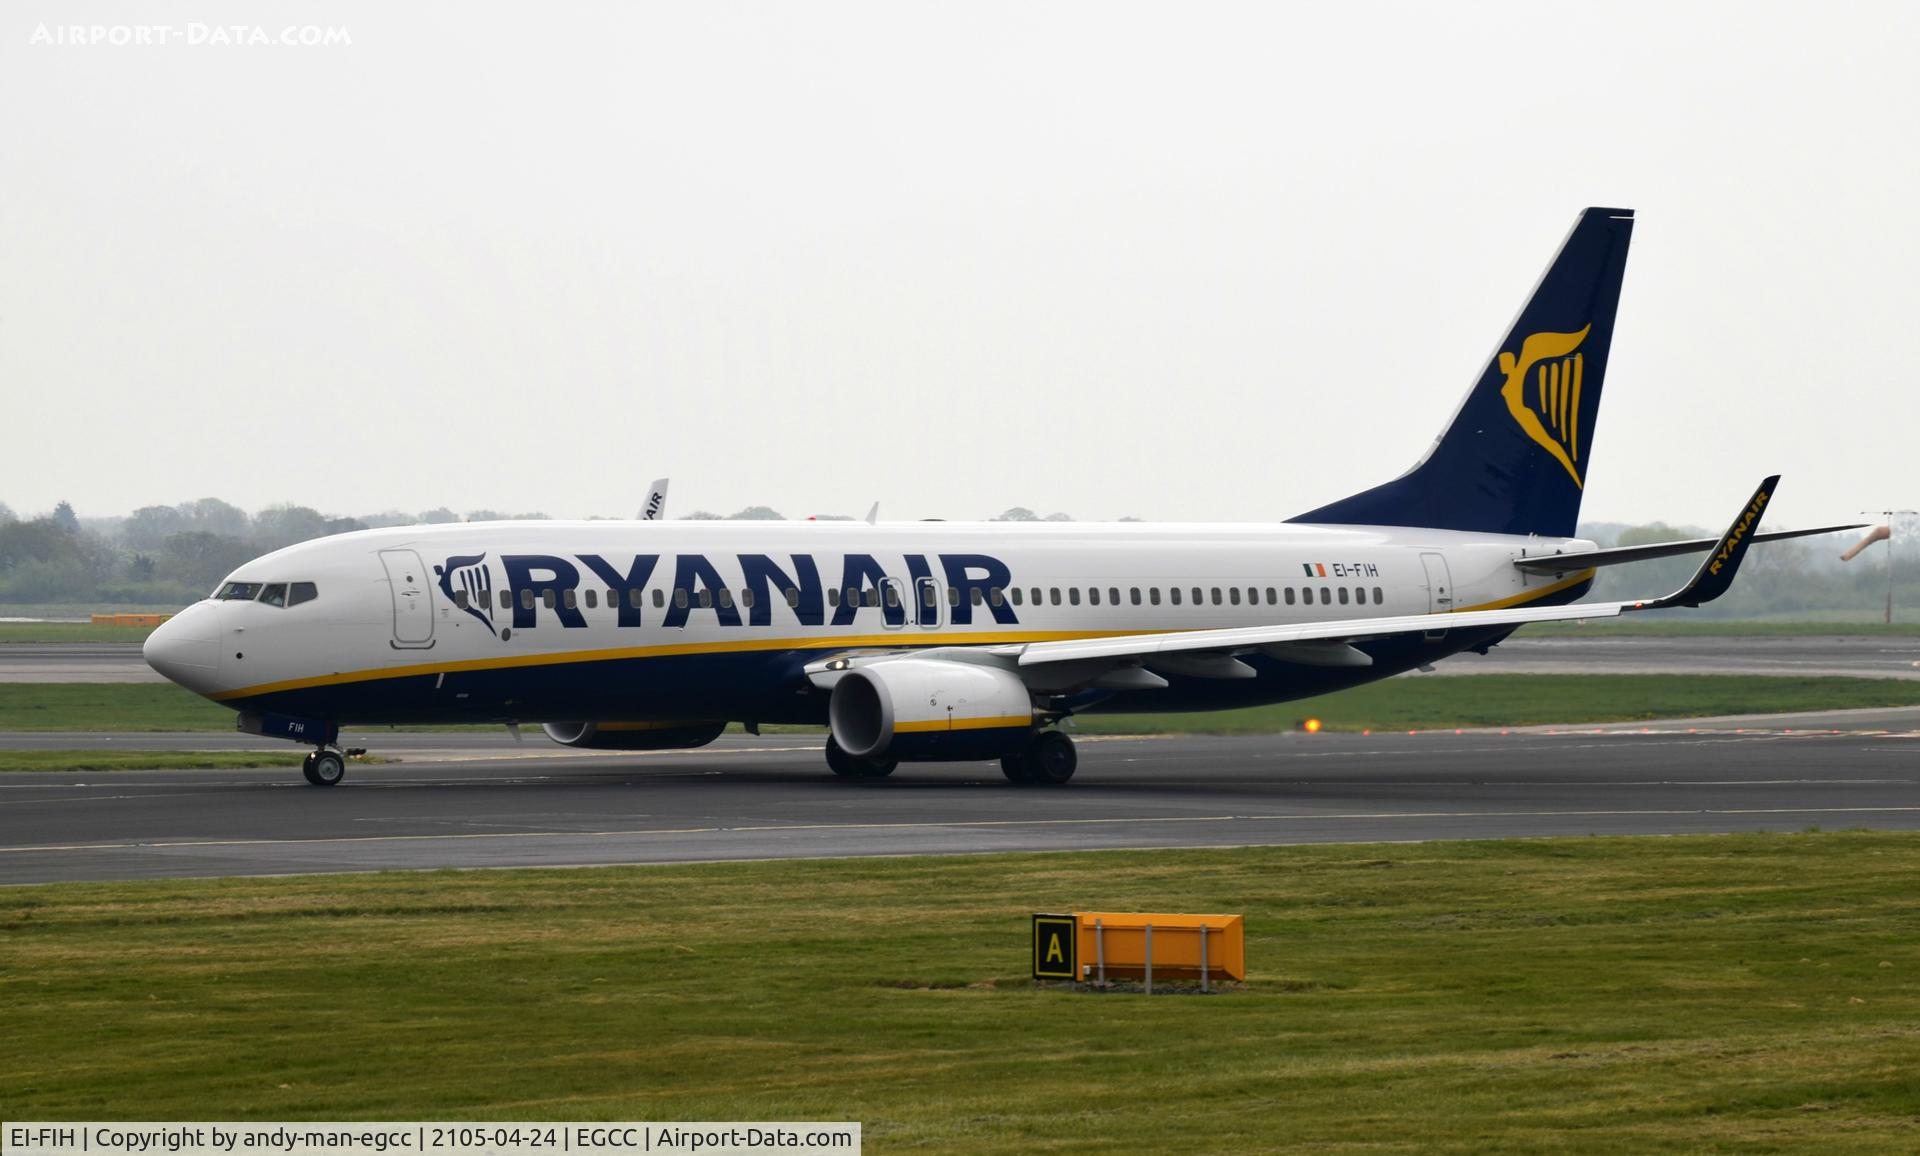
412, 599
1439, 589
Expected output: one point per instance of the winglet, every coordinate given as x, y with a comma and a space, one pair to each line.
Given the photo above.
1716, 573
654, 509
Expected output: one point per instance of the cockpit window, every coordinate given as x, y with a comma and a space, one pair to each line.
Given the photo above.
239, 592
275, 594
300, 592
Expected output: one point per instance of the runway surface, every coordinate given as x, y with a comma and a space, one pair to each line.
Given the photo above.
1858, 656
476, 800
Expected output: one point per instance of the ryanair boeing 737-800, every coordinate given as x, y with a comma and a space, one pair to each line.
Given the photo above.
941, 640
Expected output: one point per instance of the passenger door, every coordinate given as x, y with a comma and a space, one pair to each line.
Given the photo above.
412, 599
1439, 589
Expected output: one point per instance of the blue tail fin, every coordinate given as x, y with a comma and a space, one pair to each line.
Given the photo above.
1514, 459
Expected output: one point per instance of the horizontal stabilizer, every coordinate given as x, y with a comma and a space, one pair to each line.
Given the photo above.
1585, 559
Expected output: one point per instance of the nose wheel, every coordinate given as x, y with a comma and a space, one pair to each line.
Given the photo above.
324, 767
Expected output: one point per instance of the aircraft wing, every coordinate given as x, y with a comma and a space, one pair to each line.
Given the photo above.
1710, 581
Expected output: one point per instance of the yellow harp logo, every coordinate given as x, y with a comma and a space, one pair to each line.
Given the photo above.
1543, 393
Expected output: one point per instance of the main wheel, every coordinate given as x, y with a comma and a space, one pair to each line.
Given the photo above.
1015, 768
1051, 760
324, 768
848, 767
839, 761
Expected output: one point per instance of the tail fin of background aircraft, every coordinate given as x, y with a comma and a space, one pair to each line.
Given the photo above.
1514, 460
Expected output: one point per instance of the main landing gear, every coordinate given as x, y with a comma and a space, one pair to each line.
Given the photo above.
325, 767
848, 767
1048, 761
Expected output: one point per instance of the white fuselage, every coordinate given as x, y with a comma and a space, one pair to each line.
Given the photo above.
539, 620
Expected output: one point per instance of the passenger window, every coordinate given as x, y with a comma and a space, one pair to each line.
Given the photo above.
305, 592
928, 597
1378, 598
833, 596
274, 594
613, 598
679, 598
1289, 596
1093, 595
571, 600
659, 599
706, 598
1360, 595
1173, 594
996, 598
593, 598
953, 596
1034, 594
1306, 595
1199, 596
460, 599
893, 597
546, 598
1343, 595
1153, 595
1326, 596
1216, 596
1134, 594
1253, 596
793, 598
870, 597
746, 597
506, 600
1016, 595
526, 599
978, 598
1233, 593
1054, 594
726, 598
1073, 595
1113, 595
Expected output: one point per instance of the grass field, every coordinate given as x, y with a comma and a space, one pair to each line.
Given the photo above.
91, 761
1748, 992
70, 632
1396, 704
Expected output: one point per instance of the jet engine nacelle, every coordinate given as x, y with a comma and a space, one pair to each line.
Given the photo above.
927, 709
631, 736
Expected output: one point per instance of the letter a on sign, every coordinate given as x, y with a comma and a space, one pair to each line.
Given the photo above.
1054, 943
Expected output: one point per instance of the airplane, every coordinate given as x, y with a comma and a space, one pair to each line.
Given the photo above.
936, 640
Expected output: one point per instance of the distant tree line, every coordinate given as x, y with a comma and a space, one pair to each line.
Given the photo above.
171, 555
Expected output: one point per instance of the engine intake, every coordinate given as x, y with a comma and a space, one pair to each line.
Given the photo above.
930, 709
634, 736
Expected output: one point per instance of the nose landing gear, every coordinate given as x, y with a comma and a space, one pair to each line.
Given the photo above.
324, 767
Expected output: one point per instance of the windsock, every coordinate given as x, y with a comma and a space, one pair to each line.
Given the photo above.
1877, 534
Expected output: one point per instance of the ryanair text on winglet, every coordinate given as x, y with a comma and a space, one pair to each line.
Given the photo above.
1739, 531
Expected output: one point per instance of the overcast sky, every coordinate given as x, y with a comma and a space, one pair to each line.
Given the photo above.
1174, 261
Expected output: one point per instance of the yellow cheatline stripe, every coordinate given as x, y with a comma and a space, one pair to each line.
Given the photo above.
1531, 595
963, 724
567, 657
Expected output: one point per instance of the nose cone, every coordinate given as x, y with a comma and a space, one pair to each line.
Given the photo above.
186, 648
